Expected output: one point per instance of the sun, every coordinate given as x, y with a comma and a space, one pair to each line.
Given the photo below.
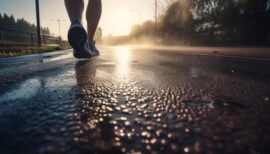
118, 19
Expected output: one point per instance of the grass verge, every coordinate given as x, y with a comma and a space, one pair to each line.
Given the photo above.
19, 51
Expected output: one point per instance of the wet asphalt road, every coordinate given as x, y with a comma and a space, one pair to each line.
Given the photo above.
135, 100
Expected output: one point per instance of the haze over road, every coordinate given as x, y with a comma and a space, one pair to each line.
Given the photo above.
135, 99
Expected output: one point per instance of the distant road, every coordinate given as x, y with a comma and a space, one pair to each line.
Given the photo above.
240, 52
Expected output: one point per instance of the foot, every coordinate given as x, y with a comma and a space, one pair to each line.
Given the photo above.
77, 38
93, 48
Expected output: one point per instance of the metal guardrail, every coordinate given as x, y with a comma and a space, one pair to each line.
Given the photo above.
15, 37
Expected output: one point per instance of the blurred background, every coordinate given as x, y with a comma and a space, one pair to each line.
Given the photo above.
163, 22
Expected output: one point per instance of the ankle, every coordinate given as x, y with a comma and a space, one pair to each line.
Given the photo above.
76, 22
91, 42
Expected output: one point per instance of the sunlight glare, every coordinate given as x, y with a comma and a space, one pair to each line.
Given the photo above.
123, 54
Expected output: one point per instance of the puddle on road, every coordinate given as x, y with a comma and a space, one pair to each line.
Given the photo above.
64, 80
25, 90
216, 103
195, 72
34, 59
51, 58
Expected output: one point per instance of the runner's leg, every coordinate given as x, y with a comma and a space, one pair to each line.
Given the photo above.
77, 35
93, 14
75, 9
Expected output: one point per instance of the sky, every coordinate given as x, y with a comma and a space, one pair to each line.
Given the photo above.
117, 17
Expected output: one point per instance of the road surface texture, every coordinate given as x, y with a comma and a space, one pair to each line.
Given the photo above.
137, 100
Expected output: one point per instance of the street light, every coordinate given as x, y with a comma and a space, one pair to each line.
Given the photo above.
155, 16
139, 16
59, 22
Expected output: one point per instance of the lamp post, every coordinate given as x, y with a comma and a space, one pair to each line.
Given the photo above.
38, 23
59, 23
139, 16
156, 16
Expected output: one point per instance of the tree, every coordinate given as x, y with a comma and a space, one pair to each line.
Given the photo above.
20, 24
45, 30
5, 20
163, 6
233, 21
12, 22
215, 22
146, 29
178, 20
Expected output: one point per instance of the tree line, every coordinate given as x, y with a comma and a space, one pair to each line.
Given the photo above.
20, 24
211, 22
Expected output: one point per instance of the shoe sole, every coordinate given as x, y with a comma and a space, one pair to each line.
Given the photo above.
77, 37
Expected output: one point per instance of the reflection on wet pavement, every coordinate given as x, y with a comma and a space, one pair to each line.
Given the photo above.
26, 90
128, 102
122, 57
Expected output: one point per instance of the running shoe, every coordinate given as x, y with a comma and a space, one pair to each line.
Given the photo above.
77, 38
93, 49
